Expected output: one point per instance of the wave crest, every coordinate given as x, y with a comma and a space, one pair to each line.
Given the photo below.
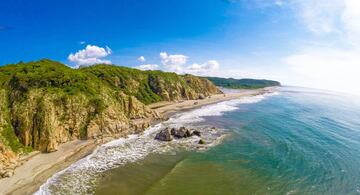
82, 176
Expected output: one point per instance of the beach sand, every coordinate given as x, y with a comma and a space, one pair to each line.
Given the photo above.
35, 170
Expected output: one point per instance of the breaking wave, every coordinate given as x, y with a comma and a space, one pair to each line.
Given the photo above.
82, 176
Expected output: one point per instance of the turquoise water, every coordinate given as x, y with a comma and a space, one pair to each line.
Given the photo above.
299, 141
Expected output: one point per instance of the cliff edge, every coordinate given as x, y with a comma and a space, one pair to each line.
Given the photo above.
46, 103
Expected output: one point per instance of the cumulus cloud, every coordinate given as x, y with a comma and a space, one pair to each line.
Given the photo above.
173, 63
148, 67
141, 59
92, 54
203, 69
178, 63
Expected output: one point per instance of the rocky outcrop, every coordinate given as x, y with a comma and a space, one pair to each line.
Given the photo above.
182, 132
186, 87
43, 121
164, 135
7, 162
45, 103
196, 132
168, 134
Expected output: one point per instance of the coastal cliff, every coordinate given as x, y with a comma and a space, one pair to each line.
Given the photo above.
46, 103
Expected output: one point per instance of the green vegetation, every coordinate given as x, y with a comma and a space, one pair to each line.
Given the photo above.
42, 97
9, 138
242, 83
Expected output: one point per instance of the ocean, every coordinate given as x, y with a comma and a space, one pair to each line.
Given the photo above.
293, 141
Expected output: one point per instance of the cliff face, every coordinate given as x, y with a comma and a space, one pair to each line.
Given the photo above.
45, 103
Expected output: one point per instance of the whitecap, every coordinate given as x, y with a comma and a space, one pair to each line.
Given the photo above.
82, 176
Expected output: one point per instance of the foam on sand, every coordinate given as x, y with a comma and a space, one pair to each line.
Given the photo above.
82, 176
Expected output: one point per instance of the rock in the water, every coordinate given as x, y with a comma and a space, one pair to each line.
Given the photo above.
201, 141
173, 130
164, 135
188, 133
180, 133
196, 132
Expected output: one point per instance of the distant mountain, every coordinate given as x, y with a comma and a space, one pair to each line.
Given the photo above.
242, 83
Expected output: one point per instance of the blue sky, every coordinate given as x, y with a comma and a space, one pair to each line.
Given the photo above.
298, 42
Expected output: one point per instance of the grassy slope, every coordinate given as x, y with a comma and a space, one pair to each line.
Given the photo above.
49, 78
242, 83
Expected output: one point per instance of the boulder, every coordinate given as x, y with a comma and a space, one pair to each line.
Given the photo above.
201, 141
173, 130
196, 132
180, 133
201, 96
164, 135
188, 133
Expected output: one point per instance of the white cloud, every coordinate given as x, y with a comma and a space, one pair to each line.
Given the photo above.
351, 20
147, 67
320, 16
331, 67
141, 59
329, 16
82, 42
207, 68
92, 54
178, 63
173, 63
326, 68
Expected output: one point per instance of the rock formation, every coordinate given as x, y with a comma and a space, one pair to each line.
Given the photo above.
164, 135
178, 133
45, 103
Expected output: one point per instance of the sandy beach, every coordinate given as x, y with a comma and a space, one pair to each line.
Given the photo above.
36, 169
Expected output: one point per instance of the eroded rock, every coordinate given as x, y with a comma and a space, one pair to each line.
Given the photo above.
164, 135
196, 132
179, 133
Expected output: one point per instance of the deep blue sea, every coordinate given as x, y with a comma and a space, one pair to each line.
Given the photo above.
295, 141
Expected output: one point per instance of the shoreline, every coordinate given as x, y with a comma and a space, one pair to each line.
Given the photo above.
35, 170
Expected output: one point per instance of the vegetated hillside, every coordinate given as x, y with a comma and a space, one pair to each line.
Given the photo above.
45, 103
242, 83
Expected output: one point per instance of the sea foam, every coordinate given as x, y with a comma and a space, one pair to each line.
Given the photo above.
82, 176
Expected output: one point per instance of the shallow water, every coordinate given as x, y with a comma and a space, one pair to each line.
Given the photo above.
300, 141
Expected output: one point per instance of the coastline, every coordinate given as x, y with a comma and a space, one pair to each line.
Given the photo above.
37, 169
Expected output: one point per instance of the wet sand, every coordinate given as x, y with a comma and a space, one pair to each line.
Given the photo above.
37, 169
